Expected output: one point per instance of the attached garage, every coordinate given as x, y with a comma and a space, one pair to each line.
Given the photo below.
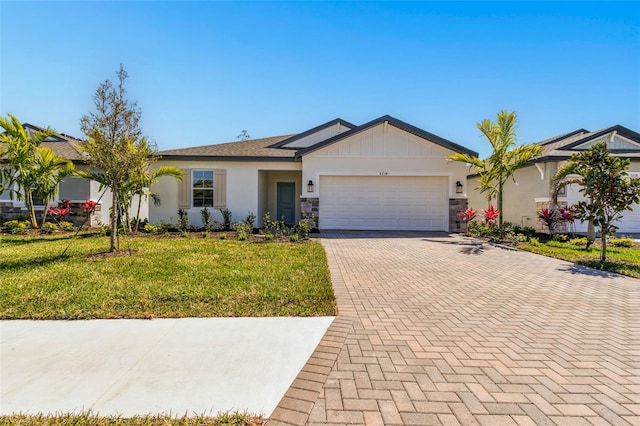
384, 203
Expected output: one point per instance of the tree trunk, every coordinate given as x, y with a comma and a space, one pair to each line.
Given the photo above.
28, 200
44, 215
591, 233
138, 213
499, 202
114, 219
127, 218
603, 254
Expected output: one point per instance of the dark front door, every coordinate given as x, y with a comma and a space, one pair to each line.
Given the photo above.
287, 202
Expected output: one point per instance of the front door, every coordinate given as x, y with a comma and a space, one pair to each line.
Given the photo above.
287, 202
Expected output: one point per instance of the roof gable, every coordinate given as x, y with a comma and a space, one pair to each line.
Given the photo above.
315, 135
389, 120
620, 140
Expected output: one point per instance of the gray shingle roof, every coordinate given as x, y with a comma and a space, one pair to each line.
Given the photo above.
62, 145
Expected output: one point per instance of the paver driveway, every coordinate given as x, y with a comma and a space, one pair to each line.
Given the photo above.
438, 329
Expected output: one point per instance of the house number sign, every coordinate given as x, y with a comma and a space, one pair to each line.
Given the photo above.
384, 173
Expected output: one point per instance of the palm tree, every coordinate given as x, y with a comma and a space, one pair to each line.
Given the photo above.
505, 158
49, 172
22, 171
142, 186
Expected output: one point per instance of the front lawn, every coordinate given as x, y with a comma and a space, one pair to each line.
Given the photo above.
625, 261
89, 419
163, 277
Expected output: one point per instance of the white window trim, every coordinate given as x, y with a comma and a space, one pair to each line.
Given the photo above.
213, 188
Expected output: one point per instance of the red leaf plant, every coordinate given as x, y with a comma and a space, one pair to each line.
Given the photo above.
89, 206
467, 215
490, 215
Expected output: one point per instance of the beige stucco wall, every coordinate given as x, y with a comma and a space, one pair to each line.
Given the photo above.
242, 192
382, 150
520, 199
519, 206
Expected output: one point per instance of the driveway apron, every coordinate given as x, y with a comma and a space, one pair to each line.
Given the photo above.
443, 329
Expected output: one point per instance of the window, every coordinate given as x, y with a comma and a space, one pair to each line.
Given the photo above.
202, 188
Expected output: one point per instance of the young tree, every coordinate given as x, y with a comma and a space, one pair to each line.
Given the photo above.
29, 169
608, 189
505, 159
113, 138
569, 174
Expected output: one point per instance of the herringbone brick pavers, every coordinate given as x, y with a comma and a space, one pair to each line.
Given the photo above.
438, 329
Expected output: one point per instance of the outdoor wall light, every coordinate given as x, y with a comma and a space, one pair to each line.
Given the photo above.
310, 186
458, 187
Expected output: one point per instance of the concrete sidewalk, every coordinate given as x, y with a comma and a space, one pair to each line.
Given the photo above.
137, 367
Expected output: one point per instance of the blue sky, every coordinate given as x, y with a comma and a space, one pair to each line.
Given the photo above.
203, 71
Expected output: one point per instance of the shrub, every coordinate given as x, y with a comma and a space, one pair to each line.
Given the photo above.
205, 234
305, 226
226, 218
579, 241
243, 227
183, 220
266, 222
268, 237
250, 220
560, 238
66, 226
17, 226
479, 230
534, 241
184, 234
149, 229
242, 236
529, 231
164, 225
622, 242
206, 218
293, 238
223, 236
48, 228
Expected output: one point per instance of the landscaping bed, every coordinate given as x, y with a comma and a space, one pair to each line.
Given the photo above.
166, 276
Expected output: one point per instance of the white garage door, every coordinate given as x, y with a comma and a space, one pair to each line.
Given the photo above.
384, 203
630, 222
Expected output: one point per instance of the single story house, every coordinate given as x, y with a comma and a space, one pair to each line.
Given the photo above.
76, 190
532, 190
382, 175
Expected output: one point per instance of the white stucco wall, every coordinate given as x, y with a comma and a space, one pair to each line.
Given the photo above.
242, 192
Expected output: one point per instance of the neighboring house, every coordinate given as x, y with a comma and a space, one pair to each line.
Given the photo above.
77, 190
524, 199
383, 175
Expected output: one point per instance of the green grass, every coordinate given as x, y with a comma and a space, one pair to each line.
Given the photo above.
89, 419
164, 277
625, 261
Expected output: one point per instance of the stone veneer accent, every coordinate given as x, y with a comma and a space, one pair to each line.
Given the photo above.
76, 216
309, 206
541, 227
456, 205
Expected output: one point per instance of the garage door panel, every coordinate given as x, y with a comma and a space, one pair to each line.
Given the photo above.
388, 202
